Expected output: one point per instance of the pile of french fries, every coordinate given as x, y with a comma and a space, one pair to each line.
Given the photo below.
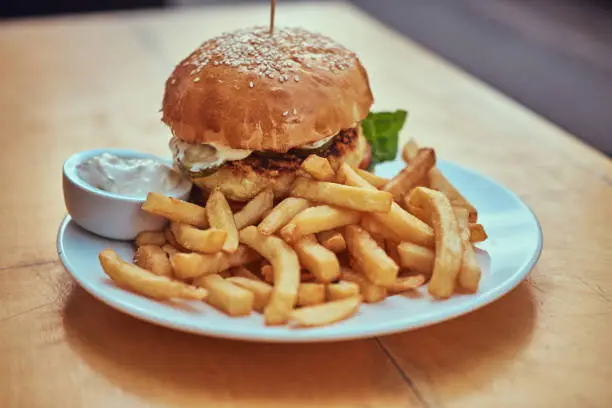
344, 236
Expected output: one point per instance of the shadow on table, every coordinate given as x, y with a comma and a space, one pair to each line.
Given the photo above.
166, 366
473, 349
169, 366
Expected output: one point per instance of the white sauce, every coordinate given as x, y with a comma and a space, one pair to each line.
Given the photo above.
229, 154
128, 176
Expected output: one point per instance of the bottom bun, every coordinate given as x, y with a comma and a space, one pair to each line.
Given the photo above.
239, 181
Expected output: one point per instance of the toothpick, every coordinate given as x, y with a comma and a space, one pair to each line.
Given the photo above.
272, 10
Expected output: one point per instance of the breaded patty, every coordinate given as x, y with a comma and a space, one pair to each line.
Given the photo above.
241, 180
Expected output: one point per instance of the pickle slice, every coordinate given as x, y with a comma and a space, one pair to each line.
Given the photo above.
195, 160
198, 170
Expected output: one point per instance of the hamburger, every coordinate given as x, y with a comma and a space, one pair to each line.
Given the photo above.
247, 107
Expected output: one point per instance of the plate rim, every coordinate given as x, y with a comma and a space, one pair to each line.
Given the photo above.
302, 335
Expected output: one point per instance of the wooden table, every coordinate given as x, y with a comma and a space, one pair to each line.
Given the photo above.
74, 83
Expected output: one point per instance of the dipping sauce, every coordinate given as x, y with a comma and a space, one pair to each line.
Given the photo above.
129, 177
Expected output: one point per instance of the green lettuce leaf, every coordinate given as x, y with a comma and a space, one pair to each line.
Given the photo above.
381, 129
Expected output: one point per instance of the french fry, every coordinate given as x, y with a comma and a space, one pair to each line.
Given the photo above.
406, 283
376, 232
169, 249
438, 182
391, 248
254, 210
371, 293
341, 290
416, 211
286, 272
206, 241
225, 296
461, 215
176, 210
320, 261
144, 282
411, 176
171, 239
266, 213
261, 290
449, 248
373, 179
319, 168
332, 240
153, 259
268, 275
410, 150
307, 276
242, 272
376, 264
477, 233
282, 214
342, 196
311, 294
267, 272
220, 217
469, 274
150, 238
326, 313
404, 225
316, 219
416, 258
192, 265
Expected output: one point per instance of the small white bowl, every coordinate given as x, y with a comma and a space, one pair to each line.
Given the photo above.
107, 214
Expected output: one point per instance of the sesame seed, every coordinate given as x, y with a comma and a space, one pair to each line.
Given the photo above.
173, 81
285, 113
283, 54
251, 84
294, 111
196, 79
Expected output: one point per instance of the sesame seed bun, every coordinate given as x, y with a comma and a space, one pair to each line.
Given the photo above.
250, 90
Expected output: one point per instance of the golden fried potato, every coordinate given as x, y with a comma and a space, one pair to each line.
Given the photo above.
154, 259
326, 313
176, 210
150, 238
225, 296
144, 282
341, 290
286, 272
449, 248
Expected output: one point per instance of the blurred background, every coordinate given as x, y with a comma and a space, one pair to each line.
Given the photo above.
553, 56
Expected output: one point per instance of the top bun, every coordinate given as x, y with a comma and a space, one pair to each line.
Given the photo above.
250, 90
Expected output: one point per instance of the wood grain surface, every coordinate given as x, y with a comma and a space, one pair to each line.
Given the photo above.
73, 83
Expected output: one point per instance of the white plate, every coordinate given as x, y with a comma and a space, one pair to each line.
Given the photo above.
513, 248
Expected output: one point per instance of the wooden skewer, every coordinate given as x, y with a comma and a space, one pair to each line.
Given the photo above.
272, 10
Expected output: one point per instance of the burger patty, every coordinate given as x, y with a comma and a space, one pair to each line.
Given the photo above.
264, 163
242, 180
